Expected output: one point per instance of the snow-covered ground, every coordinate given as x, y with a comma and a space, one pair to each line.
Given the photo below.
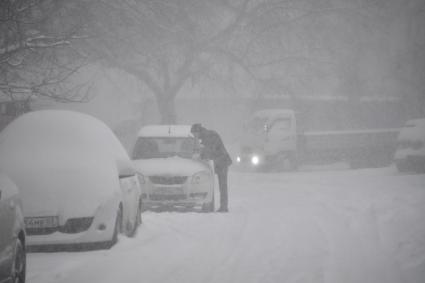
339, 226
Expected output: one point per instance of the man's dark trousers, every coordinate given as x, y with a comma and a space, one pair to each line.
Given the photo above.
222, 183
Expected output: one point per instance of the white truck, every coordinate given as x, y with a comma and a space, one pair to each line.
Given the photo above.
272, 140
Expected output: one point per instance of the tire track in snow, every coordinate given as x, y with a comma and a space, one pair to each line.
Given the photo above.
354, 248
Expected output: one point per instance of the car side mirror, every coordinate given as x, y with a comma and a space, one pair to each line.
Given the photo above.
125, 168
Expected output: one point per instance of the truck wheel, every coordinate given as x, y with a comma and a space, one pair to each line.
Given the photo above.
293, 162
402, 166
358, 163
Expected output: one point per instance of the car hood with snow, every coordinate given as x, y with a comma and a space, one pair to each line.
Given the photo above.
169, 166
58, 187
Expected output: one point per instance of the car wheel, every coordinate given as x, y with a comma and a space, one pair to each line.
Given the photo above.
133, 229
210, 206
117, 228
139, 213
19, 265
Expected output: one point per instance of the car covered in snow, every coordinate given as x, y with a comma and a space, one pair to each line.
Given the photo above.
12, 233
410, 153
79, 187
167, 160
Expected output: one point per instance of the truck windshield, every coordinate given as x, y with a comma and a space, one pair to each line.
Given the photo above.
257, 124
282, 123
163, 147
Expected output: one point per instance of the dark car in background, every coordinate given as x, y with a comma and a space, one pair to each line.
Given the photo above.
410, 153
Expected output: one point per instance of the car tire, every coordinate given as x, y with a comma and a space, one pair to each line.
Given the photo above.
117, 229
209, 206
138, 220
139, 213
18, 271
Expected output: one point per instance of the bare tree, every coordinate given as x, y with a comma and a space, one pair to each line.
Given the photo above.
36, 49
287, 44
167, 44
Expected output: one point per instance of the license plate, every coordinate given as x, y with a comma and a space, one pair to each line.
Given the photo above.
169, 190
41, 222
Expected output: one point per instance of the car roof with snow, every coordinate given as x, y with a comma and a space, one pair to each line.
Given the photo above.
60, 129
181, 131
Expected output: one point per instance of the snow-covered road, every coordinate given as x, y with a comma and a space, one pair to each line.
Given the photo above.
337, 226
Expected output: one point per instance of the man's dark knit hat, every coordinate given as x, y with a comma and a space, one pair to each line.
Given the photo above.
196, 128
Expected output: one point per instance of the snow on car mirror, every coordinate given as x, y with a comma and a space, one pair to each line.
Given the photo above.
125, 168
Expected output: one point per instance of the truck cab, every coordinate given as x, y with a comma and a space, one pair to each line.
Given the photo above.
269, 140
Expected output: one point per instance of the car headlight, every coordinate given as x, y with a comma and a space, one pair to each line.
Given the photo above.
255, 159
200, 177
238, 159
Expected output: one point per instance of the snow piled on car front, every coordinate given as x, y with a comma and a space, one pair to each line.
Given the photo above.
65, 165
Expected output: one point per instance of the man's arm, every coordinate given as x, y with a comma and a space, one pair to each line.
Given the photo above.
206, 152
211, 147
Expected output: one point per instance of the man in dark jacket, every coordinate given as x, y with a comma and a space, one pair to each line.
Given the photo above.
213, 149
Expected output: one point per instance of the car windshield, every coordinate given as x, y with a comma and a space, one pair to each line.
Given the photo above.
163, 147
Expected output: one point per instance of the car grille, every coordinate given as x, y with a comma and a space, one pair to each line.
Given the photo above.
158, 197
168, 180
40, 231
72, 225
76, 225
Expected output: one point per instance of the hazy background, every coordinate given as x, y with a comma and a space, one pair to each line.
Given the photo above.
343, 64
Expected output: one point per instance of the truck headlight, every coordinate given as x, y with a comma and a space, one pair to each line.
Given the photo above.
255, 159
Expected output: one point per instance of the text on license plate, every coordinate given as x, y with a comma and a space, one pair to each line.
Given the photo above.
41, 222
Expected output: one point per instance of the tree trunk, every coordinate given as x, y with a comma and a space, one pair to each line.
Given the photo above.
167, 109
